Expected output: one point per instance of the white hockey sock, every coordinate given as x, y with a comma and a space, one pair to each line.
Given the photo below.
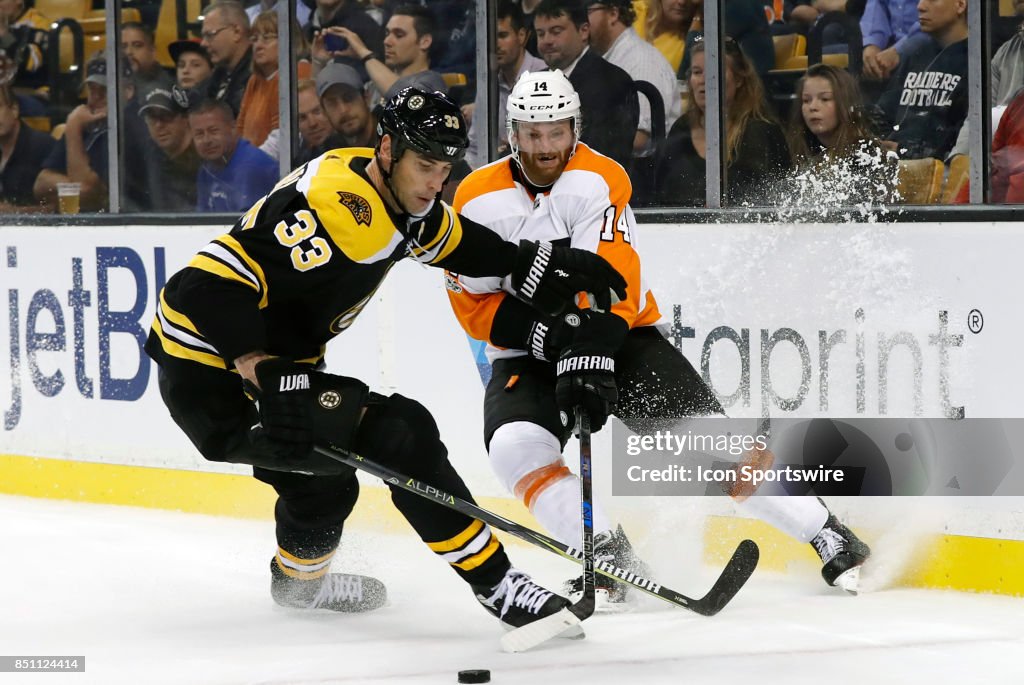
557, 508
799, 517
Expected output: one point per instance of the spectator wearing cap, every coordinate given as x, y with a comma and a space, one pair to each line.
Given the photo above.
346, 105
259, 113
81, 154
139, 46
607, 96
612, 36
513, 60
22, 151
226, 37
408, 39
234, 173
174, 164
192, 64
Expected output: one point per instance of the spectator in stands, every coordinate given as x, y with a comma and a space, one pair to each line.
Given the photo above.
512, 60
349, 15
1007, 77
22, 151
891, 32
754, 145
192, 63
347, 105
612, 36
259, 113
234, 173
747, 24
226, 38
926, 100
665, 23
1007, 157
408, 40
139, 45
81, 154
302, 10
529, 7
315, 133
606, 92
456, 51
831, 140
174, 164
24, 37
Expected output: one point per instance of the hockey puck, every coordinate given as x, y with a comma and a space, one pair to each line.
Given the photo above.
475, 675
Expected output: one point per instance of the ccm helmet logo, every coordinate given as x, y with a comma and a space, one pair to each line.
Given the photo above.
541, 107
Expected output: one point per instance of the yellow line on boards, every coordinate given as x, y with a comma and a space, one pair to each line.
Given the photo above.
948, 562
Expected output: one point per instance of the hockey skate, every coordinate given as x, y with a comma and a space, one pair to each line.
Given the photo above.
612, 548
335, 591
842, 554
517, 601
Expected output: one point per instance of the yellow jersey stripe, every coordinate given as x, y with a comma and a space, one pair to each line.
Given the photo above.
176, 317
230, 242
459, 540
177, 350
210, 265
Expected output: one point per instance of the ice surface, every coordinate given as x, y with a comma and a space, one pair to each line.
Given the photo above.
160, 597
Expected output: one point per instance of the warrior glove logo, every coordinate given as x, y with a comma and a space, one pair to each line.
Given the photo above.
358, 205
296, 381
594, 362
536, 273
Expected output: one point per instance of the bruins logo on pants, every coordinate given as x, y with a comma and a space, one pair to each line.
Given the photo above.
359, 207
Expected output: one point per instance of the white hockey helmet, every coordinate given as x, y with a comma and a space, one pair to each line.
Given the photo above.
542, 96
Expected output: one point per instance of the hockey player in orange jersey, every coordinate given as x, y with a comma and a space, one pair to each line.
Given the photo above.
555, 188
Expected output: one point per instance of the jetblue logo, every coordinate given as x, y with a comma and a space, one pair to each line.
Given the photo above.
297, 381
590, 363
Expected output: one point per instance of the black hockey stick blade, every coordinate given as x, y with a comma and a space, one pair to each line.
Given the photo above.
732, 578
737, 572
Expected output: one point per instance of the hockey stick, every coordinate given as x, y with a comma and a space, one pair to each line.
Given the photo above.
585, 606
733, 576
547, 628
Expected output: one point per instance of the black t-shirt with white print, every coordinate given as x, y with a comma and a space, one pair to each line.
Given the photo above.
926, 101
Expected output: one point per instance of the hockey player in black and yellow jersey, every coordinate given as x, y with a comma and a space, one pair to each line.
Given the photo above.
256, 307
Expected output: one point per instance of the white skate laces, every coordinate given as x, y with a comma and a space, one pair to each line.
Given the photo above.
516, 589
828, 544
338, 587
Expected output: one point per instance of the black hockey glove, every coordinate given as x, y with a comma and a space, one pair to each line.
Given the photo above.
547, 337
284, 401
586, 368
548, 277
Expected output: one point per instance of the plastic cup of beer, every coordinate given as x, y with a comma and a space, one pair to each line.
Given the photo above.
68, 197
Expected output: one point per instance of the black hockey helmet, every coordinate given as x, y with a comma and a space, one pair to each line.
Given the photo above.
426, 122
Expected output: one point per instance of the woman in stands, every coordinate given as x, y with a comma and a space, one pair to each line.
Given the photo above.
258, 115
664, 24
832, 142
754, 144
